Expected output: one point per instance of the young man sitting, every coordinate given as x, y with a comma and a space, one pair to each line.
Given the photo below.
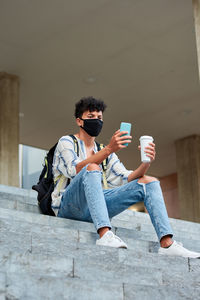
86, 199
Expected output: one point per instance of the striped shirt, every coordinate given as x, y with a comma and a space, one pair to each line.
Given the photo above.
65, 161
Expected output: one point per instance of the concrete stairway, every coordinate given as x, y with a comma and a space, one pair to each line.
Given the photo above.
44, 257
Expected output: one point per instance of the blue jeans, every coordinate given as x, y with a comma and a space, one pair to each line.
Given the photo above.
85, 200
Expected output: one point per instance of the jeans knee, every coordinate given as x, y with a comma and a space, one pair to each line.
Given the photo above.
147, 179
93, 167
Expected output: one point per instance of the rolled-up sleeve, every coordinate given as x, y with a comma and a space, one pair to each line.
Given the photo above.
116, 173
66, 159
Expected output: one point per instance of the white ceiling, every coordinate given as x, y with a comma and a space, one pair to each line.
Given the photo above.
137, 55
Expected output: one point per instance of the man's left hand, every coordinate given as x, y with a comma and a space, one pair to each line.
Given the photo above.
150, 151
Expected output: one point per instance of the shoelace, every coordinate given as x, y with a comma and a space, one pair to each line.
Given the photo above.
117, 238
179, 243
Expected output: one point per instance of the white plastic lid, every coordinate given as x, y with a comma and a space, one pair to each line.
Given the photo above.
146, 137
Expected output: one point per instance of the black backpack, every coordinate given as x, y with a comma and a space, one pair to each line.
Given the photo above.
45, 185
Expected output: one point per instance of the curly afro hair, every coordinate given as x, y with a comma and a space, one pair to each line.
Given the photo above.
88, 103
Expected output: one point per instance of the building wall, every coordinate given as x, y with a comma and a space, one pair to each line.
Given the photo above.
169, 185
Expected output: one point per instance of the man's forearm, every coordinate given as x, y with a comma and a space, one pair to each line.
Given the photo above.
139, 172
97, 158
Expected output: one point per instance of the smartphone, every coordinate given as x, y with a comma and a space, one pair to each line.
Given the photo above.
125, 127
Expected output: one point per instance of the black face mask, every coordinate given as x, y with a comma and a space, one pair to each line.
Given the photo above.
92, 126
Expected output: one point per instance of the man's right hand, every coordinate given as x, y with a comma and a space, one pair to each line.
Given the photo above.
117, 141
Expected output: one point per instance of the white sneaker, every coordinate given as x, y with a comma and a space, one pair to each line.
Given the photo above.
111, 240
177, 249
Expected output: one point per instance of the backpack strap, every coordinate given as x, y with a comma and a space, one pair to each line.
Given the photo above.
62, 177
104, 165
46, 164
76, 147
48, 160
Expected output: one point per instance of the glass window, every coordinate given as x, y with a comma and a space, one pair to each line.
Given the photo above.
31, 162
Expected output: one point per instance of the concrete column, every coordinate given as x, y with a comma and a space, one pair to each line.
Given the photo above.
9, 129
196, 6
188, 170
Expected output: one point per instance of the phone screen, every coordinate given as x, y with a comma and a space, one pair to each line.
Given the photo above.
125, 127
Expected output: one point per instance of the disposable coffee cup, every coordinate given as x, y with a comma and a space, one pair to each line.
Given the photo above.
144, 142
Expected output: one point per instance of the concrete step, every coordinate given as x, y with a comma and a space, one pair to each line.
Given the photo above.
137, 223
30, 197
15, 193
93, 270
82, 232
32, 232
26, 200
189, 241
43, 257
138, 230
34, 286
180, 232
128, 215
70, 248
47, 287
139, 275
19, 205
151, 236
109, 270
19, 199
163, 292
144, 219
27, 237
54, 222
33, 245
29, 224
79, 268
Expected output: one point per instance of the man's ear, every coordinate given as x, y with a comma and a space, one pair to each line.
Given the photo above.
79, 122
